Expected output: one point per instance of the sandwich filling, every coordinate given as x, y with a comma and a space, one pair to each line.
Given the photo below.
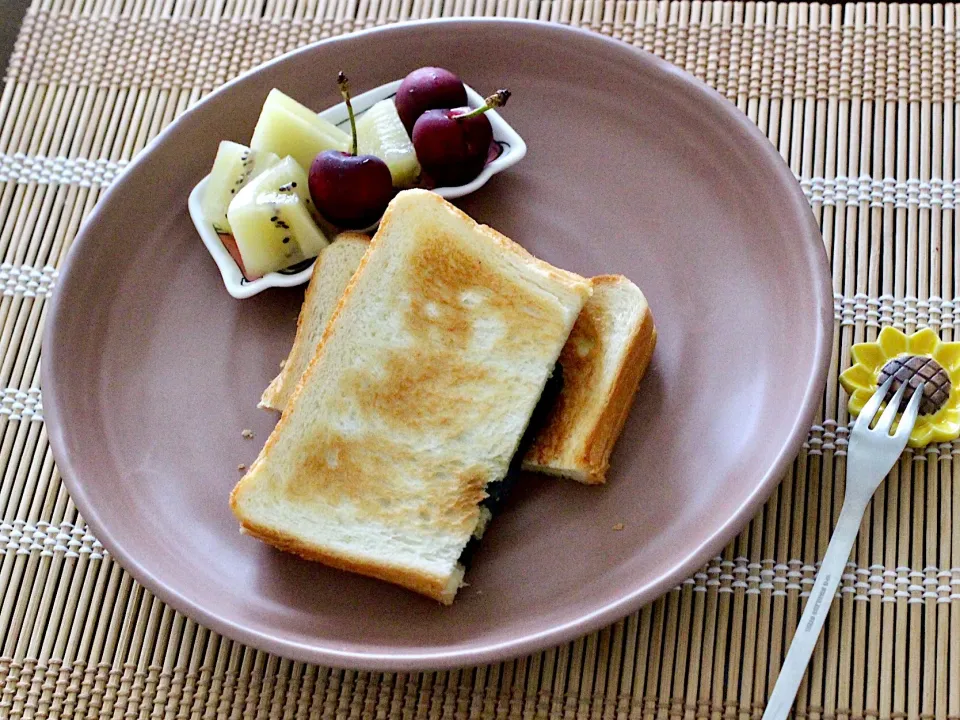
497, 492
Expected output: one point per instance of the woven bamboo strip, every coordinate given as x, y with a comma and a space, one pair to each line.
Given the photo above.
878, 681
951, 471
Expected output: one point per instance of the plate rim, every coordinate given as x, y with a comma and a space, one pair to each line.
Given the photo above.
479, 652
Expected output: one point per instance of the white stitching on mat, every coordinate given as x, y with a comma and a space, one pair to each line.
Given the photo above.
862, 583
935, 311
831, 437
42, 169
27, 405
27, 280
18, 404
925, 194
912, 192
24, 538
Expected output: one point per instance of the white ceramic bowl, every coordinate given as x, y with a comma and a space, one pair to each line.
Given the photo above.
513, 148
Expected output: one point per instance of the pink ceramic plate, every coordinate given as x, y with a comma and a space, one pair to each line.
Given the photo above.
151, 370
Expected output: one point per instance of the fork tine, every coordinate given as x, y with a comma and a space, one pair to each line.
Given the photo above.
890, 412
909, 417
872, 405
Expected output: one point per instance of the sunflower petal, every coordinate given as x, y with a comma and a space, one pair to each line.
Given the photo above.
857, 400
892, 341
948, 355
923, 342
856, 377
945, 425
870, 355
922, 433
951, 416
944, 432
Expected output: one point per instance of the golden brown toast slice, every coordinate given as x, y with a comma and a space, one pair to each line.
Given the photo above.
415, 401
603, 361
332, 271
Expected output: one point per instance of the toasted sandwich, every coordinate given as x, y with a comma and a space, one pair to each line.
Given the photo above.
603, 361
332, 270
416, 400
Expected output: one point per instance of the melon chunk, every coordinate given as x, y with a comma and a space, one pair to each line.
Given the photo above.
380, 132
287, 128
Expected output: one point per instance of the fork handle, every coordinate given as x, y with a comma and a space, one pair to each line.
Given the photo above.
815, 612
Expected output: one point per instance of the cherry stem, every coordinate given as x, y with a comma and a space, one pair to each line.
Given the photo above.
345, 94
498, 99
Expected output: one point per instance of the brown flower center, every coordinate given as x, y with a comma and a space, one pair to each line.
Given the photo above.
912, 370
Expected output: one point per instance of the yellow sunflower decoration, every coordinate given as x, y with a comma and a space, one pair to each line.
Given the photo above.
912, 359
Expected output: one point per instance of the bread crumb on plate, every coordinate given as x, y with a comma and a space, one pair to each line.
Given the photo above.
618, 526
248, 434
241, 467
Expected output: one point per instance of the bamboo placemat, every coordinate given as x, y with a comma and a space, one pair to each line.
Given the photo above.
860, 100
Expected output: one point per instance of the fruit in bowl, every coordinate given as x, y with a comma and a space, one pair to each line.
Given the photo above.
428, 88
234, 166
380, 132
273, 220
348, 189
286, 128
453, 145
343, 179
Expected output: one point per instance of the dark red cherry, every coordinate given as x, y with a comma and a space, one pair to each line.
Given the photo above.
350, 190
428, 88
452, 145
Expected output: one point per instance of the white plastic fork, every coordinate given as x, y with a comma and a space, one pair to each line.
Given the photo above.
871, 453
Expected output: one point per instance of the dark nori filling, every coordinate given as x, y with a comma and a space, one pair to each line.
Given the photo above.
497, 492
